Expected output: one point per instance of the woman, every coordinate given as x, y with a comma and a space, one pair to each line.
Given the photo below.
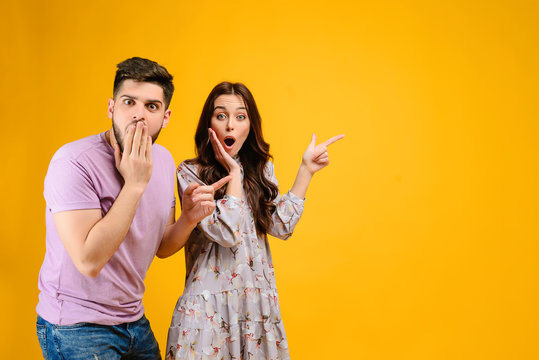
230, 308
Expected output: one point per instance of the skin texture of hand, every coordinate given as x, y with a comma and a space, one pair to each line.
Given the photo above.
135, 163
221, 155
235, 186
314, 159
198, 201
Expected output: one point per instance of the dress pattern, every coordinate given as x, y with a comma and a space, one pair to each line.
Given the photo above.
230, 307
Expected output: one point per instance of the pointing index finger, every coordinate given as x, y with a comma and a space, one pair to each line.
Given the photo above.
332, 140
219, 184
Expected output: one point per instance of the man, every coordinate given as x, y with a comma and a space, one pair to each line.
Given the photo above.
110, 210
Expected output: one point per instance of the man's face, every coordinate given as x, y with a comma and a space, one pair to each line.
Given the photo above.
138, 101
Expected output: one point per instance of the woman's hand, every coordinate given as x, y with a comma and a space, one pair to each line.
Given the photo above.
221, 155
198, 200
316, 157
234, 187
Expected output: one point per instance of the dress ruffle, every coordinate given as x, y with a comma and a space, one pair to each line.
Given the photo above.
235, 324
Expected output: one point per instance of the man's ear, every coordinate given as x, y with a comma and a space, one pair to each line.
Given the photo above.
166, 118
110, 108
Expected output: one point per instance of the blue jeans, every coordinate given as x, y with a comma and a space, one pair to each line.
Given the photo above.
87, 341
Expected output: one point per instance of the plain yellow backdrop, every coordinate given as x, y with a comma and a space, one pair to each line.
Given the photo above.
419, 241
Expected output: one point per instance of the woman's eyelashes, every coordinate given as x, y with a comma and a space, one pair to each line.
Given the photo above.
223, 116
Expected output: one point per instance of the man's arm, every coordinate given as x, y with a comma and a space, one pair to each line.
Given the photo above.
91, 239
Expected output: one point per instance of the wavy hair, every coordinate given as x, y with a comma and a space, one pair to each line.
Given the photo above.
254, 155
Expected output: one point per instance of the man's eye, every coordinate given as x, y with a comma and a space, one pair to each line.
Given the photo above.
221, 116
128, 101
152, 106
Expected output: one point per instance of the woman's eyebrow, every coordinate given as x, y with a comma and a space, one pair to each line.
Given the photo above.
224, 107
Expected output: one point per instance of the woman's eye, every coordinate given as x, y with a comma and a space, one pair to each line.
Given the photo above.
241, 117
221, 116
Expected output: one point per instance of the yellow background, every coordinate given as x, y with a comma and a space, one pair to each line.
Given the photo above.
420, 241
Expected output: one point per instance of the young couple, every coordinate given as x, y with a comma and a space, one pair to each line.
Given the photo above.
110, 208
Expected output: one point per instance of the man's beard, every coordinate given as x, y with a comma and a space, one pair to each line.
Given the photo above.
120, 138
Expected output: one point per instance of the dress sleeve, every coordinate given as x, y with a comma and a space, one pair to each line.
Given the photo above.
227, 223
288, 209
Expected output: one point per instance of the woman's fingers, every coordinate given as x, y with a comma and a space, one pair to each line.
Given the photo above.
332, 140
219, 184
190, 188
217, 147
319, 151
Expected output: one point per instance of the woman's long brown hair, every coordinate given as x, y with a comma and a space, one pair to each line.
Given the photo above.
254, 155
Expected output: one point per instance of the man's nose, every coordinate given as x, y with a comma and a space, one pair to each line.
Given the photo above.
138, 113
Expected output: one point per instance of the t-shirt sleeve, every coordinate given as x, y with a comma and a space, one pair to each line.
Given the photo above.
68, 186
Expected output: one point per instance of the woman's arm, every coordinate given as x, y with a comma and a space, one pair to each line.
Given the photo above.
289, 207
314, 159
226, 222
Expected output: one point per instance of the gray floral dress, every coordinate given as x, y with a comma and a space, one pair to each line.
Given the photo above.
230, 308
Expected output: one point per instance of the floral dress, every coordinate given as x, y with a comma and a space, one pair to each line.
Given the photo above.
229, 308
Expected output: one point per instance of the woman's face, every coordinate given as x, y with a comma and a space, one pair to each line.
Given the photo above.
230, 122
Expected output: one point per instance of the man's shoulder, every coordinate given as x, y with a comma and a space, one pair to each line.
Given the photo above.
160, 152
73, 150
160, 149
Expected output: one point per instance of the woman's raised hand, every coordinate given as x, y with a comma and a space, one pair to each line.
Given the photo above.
221, 155
316, 157
234, 187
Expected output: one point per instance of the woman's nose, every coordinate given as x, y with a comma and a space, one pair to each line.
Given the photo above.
230, 124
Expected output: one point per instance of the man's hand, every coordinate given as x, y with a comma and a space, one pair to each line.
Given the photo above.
198, 201
135, 163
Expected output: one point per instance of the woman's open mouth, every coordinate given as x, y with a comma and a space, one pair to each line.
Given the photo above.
229, 141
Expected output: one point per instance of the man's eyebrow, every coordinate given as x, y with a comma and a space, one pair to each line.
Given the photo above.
135, 98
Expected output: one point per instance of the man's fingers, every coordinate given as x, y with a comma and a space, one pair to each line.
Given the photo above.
117, 155
149, 149
136, 138
143, 141
332, 140
219, 184
128, 142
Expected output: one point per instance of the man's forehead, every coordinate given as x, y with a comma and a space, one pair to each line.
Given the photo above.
141, 90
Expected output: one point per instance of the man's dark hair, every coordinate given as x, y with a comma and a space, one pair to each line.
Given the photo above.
144, 70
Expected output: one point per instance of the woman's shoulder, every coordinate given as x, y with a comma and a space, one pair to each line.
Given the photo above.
188, 164
268, 169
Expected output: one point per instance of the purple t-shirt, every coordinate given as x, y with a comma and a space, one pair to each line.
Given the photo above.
83, 175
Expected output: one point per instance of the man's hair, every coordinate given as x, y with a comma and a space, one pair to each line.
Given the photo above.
144, 70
